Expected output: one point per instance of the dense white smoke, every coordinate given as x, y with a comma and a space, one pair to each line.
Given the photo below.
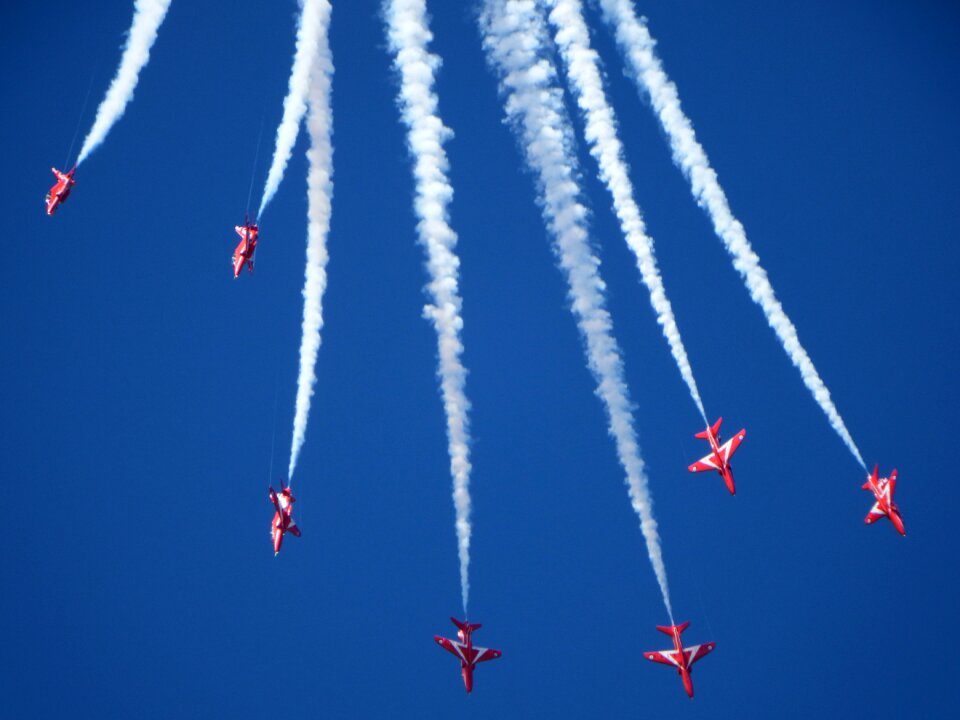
514, 35
319, 198
409, 36
311, 33
147, 16
573, 40
638, 47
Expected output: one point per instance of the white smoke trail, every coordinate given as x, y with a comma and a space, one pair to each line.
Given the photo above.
147, 16
638, 47
409, 36
319, 197
311, 28
514, 36
573, 39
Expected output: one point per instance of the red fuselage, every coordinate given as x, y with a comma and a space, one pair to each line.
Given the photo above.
61, 189
683, 667
282, 517
883, 489
243, 254
720, 454
464, 650
725, 471
680, 658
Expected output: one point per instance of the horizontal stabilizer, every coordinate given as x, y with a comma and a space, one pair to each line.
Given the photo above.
465, 626
668, 629
705, 434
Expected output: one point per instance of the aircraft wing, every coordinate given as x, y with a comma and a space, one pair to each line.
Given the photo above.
730, 446
892, 483
454, 648
695, 652
708, 462
875, 514
484, 654
664, 657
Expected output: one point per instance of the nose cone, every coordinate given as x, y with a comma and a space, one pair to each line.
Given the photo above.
468, 680
898, 523
687, 683
728, 479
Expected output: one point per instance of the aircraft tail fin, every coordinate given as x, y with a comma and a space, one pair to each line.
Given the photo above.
668, 629
465, 626
705, 434
874, 477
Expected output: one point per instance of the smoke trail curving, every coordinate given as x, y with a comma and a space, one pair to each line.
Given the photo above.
638, 47
409, 36
514, 35
319, 196
147, 16
573, 39
312, 26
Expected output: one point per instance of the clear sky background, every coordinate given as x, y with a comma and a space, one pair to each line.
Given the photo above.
144, 386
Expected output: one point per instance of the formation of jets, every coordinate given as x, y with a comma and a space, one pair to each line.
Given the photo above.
463, 649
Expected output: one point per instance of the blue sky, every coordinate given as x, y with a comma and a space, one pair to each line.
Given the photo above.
142, 381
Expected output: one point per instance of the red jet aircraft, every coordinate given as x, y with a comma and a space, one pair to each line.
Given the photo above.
883, 489
719, 457
465, 652
243, 255
680, 657
283, 517
61, 189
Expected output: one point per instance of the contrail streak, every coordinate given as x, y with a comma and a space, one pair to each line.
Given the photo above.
638, 47
319, 196
312, 26
147, 16
409, 36
573, 39
514, 36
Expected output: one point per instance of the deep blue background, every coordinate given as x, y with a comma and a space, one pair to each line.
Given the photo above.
140, 382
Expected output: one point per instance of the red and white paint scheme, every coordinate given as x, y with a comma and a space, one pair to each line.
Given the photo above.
883, 489
719, 457
243, 255
61, 189
283, 517
680, 657
466, 653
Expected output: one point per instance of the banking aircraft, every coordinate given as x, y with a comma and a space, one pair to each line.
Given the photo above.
680, 657
465, 652
719, 457
883, 489
61, 190
243, 255
283, 517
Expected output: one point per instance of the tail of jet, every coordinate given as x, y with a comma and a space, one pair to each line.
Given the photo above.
705, 434
873, 478
465, 626
668, 629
